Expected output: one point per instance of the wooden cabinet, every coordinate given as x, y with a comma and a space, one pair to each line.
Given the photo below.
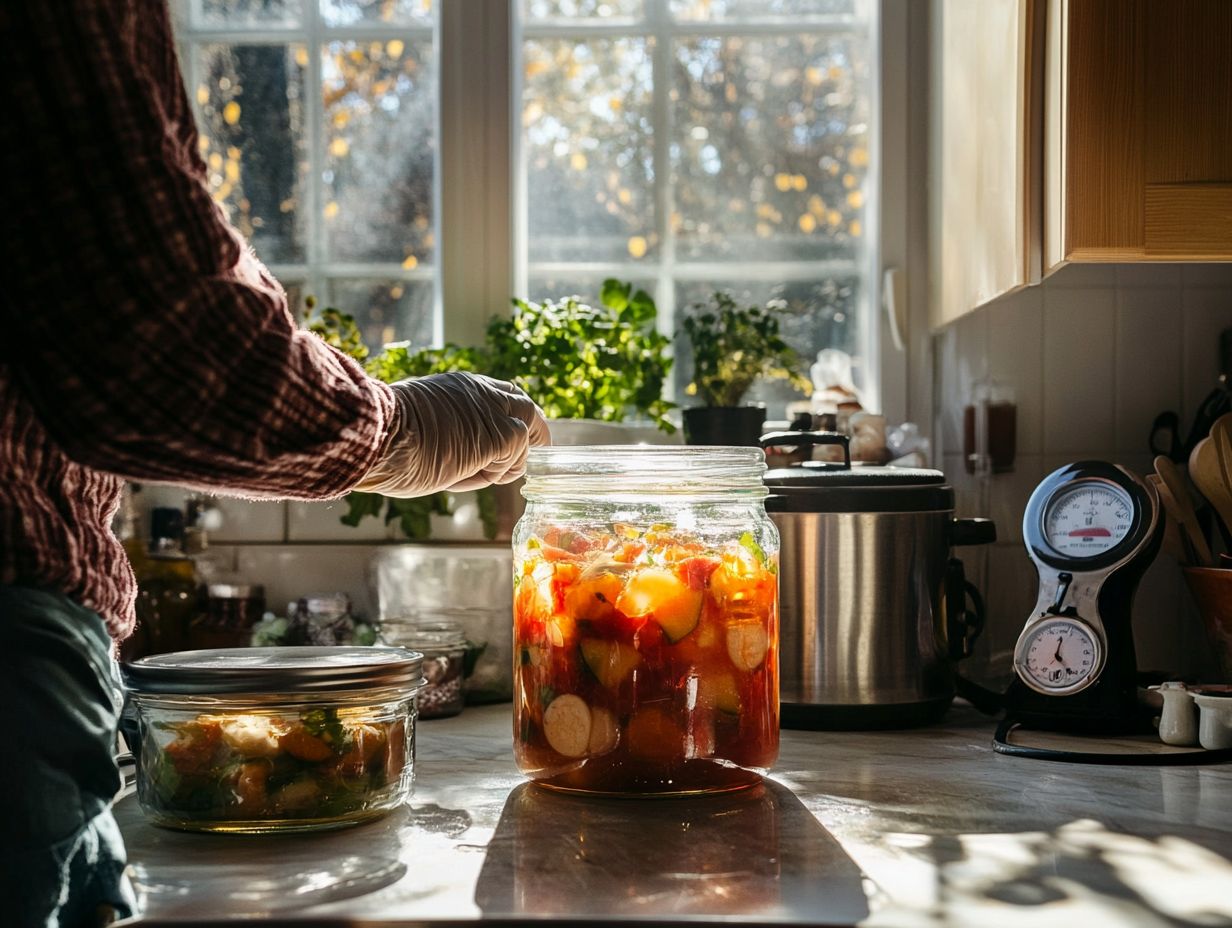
986, 136
1076, 131
1139, 126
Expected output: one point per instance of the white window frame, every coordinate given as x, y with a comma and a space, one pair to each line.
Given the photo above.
480, 258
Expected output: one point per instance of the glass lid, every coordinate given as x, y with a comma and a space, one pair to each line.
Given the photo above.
274, 670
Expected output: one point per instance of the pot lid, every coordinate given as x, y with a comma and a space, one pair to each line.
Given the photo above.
274, 671
819, 486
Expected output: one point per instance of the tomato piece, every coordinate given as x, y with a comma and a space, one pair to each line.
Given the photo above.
697, 571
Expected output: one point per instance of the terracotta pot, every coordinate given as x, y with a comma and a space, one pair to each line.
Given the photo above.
1212, 591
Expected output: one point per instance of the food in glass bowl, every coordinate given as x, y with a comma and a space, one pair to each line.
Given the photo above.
272, 739
646, 660
313, 767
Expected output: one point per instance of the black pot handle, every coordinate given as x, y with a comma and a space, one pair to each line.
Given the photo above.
972, 532
963, 624
809, 440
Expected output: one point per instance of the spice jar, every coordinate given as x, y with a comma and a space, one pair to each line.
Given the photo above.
231, 610
273, 739
645, 620
443, 645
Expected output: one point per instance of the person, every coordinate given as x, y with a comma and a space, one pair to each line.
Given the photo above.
142, 339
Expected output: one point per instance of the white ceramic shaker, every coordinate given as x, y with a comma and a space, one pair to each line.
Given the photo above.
1178, 723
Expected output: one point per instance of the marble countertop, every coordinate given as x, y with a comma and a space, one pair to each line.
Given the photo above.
918, 828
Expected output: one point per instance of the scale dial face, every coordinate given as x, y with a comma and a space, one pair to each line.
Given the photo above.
1059, 656
1087, 519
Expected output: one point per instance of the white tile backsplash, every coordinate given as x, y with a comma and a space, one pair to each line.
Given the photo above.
1079, 369
289, 571
1016, 357
1207, 312
1083, 275
248, 520
1093, 354
1148, 362
322, 522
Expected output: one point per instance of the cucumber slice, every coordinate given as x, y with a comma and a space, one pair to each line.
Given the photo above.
747, 643
610, 661
567, 724
718, 691
604, 732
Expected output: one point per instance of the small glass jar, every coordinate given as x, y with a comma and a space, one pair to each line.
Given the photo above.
645, 620
443, 644
231, 610
274, 739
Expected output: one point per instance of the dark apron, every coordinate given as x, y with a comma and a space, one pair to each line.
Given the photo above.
61, 858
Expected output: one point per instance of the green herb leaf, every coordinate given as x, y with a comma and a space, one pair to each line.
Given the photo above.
750, 543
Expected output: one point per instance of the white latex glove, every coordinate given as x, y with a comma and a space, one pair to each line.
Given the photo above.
456, 431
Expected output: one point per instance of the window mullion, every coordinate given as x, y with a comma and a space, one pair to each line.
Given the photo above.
474, 117
314, 128
661, 116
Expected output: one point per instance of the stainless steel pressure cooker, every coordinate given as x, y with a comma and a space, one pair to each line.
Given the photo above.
874, 611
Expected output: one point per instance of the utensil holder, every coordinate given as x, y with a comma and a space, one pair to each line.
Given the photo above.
1212, 591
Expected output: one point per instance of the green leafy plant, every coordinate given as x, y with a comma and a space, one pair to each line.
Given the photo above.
586, 362
733, 345
576, 361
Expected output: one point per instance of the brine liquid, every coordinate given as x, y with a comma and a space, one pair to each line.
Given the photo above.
645, 662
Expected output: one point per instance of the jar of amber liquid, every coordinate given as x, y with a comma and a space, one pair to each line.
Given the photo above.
645, 621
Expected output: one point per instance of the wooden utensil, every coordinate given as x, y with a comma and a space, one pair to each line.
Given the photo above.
1207, 474
1221, 438
1174, 488
1174, 542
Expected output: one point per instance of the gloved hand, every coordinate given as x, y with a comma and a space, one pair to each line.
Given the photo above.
456, 431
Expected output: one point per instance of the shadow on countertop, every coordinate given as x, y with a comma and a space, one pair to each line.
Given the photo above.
757, 853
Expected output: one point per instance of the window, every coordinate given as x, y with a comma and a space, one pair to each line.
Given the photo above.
685, 145
691, 145
318, 126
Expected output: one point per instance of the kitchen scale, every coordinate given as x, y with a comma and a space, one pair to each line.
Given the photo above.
1092, 529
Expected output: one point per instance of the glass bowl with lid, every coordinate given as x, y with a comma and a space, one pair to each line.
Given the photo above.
273, 739
645, 621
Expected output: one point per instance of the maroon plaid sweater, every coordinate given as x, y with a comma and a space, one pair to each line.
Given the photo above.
139, 336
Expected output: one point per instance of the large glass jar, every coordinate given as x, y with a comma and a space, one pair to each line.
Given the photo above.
273, 739
645, 620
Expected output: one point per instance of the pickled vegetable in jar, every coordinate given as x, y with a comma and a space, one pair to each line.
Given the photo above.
645, 621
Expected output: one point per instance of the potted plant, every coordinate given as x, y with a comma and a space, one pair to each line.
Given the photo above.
732, 346
576, 361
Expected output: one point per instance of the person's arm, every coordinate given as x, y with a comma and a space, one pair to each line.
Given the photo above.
150, 341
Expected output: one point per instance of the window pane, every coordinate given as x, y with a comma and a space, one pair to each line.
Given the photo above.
589, 153
380, 118
795, 10
818, 314
771, 147
237, 13
352, 12
251, 117
387, 310
549, 11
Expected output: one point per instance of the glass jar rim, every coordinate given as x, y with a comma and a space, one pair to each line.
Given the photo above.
724, 471
423, 634
274, 671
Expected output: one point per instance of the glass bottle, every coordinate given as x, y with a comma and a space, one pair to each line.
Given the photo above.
645, 620
167, 587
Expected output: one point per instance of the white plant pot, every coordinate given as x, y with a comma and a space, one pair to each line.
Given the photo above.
595, 432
